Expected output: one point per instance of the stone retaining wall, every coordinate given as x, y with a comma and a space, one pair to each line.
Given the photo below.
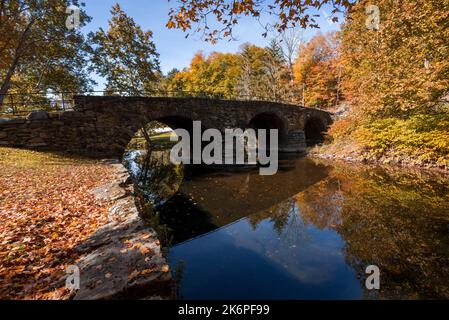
123, 259
69, 131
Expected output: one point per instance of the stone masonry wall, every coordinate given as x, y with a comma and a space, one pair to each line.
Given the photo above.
103, 126
69, 131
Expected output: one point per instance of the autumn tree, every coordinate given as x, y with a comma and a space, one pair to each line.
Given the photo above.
317, 70
252, 73
401, 68
276, 73
216, 74
37, 50
290, 41
216, 19
394, 77
125, 56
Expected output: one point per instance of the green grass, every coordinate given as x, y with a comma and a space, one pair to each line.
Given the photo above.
159, 141
29, 158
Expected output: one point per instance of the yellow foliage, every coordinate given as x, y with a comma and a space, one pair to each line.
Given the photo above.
216, 74
421, 139
402, 68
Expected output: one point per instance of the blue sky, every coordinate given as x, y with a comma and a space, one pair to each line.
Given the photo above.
175, 50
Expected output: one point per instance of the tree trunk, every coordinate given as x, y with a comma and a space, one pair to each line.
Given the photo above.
6, 83
13, 66
148, 139
290, 70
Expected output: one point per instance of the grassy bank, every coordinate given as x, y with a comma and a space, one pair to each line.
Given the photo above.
159, 141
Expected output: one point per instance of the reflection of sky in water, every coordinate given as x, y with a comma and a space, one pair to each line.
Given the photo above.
307, 232
238, 261
130, 160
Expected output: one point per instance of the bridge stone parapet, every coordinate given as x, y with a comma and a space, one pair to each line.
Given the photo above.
69, 131
103, 125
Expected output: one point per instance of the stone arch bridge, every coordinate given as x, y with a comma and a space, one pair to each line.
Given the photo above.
103, 125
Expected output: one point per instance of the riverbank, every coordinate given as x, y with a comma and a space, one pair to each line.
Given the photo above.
51, 220
420, 141
348, 151
123, 259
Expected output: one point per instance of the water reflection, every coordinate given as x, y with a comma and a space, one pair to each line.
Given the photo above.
395, 219
156, 178
308, 232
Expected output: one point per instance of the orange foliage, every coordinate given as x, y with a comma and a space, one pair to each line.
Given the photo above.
46, 211
317, 70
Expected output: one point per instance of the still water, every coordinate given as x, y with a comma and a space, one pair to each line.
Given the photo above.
308, 232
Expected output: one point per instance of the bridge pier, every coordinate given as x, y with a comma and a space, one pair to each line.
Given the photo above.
295, 142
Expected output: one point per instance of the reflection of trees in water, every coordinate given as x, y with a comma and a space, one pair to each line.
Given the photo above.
393, 219
324, 202
286, 219
397, 221
157, 178
294, 228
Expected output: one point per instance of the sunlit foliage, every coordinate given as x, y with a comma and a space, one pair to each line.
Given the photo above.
37, 51
402, 68
125, 55
216, 74
317, 71
224, 14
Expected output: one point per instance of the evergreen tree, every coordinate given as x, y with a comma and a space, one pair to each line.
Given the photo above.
276, 73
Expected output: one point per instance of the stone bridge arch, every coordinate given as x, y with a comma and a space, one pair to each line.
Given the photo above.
271, 120
104, 125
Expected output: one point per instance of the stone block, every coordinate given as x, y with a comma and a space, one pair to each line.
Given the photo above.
38, 115
111, 269
13, 121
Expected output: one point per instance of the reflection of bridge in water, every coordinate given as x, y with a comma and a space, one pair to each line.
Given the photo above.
210, 199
